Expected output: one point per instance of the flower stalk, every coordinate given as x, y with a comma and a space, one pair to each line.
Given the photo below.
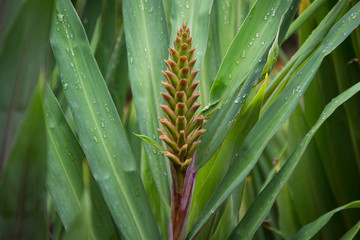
182, 127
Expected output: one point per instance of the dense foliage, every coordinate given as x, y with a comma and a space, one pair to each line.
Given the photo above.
262, 142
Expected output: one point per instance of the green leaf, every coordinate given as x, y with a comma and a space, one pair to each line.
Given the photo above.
263, 203
131, 125
82, 228
312, 228
64, 178
248, 47
147, 41
100, 130
22, 181
102, 224
225, 20
151, 142
274, 117
90, 15
160, 210
352, 232
117, 73
272, 54
306, 50
196, 13
227, 222
211, 174
107, 35
303, 17
22, 54
224, 118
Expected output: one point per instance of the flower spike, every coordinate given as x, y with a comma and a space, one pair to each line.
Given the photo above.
182, 129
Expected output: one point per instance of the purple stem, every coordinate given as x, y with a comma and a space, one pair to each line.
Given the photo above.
177, 230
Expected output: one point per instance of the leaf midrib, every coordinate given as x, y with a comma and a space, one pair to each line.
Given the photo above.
153, 84
64, 168
131, 208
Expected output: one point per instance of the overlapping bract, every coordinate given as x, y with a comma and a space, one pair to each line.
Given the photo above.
182, 129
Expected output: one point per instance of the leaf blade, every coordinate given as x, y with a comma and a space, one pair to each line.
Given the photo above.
274, 117
100, 130
147, 42
263, 203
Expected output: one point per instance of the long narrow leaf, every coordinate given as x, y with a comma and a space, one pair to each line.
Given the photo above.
100, 130
349, 235
22, 189
64, 179
147, 41
275, 116
263, 203
22, 52
311, 229
196, 13
250, 44
241, 79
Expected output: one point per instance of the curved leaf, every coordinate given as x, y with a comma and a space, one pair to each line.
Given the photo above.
311, 229
100, 130
263, 203
22, 189
248, 47
147, 41
275, 116
197, 15
64, 179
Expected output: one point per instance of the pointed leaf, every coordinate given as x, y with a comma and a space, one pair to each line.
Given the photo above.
151, 142
275, 116
311, 229
249, 46
263, 203
196, 13
22, 183
64, 179
100, 130
147, 41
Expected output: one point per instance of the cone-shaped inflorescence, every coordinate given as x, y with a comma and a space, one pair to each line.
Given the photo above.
182, 129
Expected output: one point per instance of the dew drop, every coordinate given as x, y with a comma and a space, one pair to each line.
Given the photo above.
60, 17
273, 13
257, 35
262, 43
107, 108
243, 54
96, 139
65, 86
237, 62
265, 18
